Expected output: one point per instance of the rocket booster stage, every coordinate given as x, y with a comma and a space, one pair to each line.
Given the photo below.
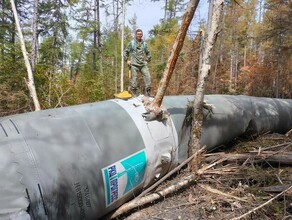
81, 162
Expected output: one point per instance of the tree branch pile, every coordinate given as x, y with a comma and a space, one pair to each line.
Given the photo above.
255, 184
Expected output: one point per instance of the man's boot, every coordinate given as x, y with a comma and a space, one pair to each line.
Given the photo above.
134, 91
148, 92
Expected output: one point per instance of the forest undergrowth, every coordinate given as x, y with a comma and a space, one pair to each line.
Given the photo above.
252, 179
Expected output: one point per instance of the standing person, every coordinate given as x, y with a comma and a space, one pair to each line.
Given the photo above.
140, 57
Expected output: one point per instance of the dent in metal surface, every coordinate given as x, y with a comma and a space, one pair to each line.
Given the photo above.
81, 162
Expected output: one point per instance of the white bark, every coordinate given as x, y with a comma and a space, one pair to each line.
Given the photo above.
122, 46
30, 82
203, 76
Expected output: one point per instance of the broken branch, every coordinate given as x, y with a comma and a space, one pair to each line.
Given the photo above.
284, 158
162, 193
261, 206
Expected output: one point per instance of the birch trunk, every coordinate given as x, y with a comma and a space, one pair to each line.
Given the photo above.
115, 61
30, 82
204, 72
122, 45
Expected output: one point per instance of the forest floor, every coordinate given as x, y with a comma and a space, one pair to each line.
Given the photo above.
251, 182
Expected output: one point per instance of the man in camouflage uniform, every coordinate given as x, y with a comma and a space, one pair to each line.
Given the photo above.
140, 57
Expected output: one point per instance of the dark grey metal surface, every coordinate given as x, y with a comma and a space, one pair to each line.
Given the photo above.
53, 163
55, 157
232, 116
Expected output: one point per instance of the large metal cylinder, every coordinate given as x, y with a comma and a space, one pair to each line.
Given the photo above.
81, 162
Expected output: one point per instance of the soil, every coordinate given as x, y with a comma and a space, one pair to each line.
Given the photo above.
231, 189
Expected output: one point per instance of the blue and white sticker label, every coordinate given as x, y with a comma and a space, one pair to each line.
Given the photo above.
121, 177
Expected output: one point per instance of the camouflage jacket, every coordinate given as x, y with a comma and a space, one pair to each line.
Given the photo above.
140, 54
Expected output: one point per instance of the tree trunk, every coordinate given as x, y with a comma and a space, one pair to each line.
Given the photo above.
219, 59
99, 37
116, 21
231, 70
245, 54
211, 5
178, 44
214, 85
72, 64
165, 9
12, 39
94, 38
203, 76
122, 45
34, 36
1, 33
78, 62
236, 66
30, 82
271, 157
279, 61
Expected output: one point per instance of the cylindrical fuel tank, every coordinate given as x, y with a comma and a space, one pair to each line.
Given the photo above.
81, 162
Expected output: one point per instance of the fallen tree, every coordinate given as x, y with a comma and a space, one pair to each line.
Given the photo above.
215, 183
167, 191
279, 157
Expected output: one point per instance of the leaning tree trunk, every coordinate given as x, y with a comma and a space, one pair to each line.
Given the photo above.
178, 44
30, 82
204, 71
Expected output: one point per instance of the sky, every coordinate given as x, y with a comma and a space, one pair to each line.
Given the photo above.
149, 14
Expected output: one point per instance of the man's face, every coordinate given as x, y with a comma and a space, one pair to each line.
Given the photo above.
139, 36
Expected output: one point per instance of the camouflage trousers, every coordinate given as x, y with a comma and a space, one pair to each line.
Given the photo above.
145, 74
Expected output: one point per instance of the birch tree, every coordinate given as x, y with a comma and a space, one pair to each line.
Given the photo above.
30, 82
204, 71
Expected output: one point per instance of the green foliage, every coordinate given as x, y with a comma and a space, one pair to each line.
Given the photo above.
50, 53
163, 37
165, 28
249, 54
13, 94
92, 88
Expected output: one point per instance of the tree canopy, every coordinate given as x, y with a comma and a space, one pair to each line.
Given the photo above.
78, 57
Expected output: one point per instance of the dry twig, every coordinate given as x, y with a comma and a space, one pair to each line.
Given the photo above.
218, 192
288, 133
262, 205
268, 156
273, 147
162, 193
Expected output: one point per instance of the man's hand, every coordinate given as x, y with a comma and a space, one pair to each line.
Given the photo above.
129, 62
